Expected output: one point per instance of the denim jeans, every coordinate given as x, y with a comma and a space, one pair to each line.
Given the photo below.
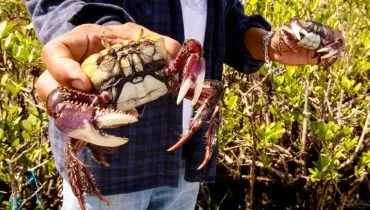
183, 197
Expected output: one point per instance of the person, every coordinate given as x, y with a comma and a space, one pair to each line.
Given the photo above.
142, 175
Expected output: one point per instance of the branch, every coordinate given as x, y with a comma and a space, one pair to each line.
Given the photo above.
13, 183
306, 115
38, 166
24, 152
259, 83
31, 196
359, 144
326, 93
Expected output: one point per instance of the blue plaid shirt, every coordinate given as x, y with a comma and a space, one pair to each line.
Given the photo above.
143, 162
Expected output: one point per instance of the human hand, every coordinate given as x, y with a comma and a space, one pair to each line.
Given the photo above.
306, 42
62, 56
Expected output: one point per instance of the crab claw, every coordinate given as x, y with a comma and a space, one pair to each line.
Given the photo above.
296, 28
83, 121
194, 75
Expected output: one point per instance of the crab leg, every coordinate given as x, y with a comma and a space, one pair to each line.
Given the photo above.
211, 137
79, 177
208, 111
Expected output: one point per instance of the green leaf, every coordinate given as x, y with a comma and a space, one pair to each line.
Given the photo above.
4, 29
252, 2
2, 133
322, 164
4, 78
231, 100
26, 125
8, 41
26, 136
13, 89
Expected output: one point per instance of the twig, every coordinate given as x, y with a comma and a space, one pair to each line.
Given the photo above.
33, 195
24, 152
20, 148
250, 196
283, 150
33, 104
260, 165
359, 144
236, 147
259, 83
38, 166
306, 115
22, 88
326, 93
13, 184
339, 111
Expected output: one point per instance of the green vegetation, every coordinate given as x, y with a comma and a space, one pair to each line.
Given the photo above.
27, 170
297, 139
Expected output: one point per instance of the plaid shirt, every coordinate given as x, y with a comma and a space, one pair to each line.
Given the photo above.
143, 162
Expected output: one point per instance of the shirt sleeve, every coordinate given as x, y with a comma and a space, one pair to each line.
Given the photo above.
52, 18
236, 23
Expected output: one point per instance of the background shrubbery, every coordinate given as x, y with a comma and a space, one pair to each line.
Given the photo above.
297, 139
27, 171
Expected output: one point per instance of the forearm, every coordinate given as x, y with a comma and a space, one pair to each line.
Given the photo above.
253, 43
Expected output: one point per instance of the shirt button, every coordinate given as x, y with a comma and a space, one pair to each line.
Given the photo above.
177, 133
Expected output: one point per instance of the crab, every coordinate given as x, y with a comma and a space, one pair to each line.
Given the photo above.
325, 41
125, 76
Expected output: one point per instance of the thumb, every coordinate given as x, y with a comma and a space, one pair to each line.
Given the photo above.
60, 63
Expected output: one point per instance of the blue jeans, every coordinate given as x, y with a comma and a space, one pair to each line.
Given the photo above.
183, 197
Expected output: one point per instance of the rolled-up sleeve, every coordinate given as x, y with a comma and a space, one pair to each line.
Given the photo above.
236, 23
51, 18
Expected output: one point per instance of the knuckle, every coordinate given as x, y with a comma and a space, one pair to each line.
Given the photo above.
130, 24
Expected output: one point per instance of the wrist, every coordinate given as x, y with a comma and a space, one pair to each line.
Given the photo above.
254, 44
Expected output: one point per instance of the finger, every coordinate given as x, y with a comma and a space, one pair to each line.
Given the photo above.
45, 84
312, 57
59, 59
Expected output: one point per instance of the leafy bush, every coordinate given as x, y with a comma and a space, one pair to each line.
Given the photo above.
299, 139
27, 172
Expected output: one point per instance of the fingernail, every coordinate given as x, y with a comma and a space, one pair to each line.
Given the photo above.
77, 84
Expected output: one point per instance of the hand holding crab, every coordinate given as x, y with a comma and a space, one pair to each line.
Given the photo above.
303, 42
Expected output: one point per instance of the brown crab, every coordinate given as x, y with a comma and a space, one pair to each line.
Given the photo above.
125, 76
327, 42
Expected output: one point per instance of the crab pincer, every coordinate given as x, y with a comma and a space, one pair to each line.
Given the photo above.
194, 72
84, 121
